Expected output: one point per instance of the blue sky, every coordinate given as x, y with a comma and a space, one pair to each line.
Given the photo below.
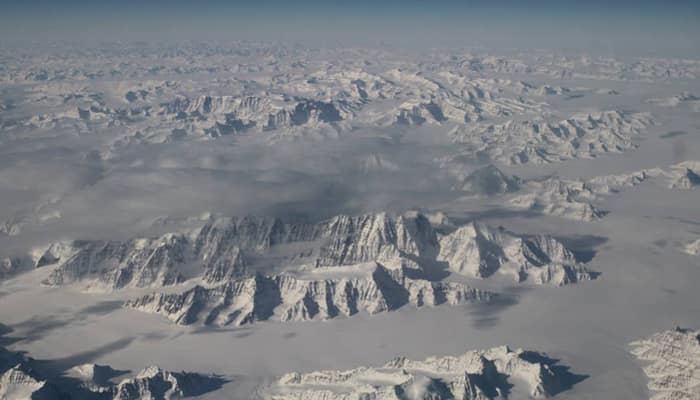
671, 26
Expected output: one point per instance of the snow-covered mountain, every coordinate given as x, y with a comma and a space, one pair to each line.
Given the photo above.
367, 288
350, 277
475, 375
21, 382
155, 383
672, 363
562, 198
21, 378
140, 263
216, 252
583, 135
217, 249
481, 251
222, 115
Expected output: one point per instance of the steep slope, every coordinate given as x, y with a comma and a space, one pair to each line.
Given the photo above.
155, 383
480, 251
222, 115
368, 288
20, 380
376, 237
675, 363
112, 265
559, 197
220, 250
94, 377
216, 252
474, 375
213, 252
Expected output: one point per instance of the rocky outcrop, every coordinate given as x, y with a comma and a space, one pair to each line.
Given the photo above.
562, 198
213, 253
350, 276
479, 251
219, 251
376, 237
155, 383
368, 288
112, 265
21, 382
222, 115
250, 233
474, 375
94, 378
673, 363
540, 142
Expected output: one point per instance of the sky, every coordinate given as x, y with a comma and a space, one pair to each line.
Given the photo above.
609, 26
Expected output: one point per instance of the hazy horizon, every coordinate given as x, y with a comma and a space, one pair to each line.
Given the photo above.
625, 28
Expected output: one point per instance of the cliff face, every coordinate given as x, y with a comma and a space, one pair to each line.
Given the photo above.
21, 382
376, 237
288, 298
155, 383
114, 265
339, 267
219, 251
480, 251
474, 375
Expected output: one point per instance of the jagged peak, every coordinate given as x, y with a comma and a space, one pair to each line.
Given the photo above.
480, 374
318, 294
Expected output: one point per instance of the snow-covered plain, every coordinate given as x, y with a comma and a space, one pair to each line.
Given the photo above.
244, 211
